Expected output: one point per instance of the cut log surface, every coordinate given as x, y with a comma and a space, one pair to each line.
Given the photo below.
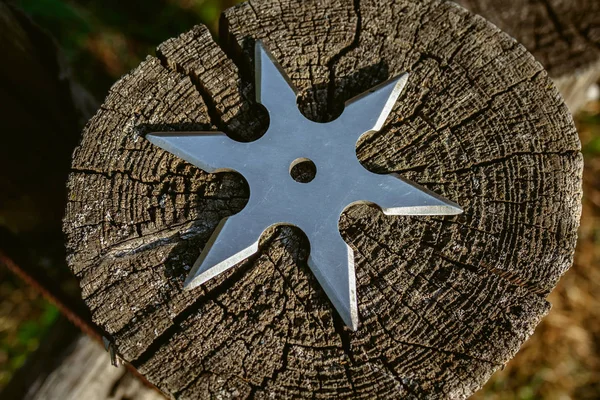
443, 301
563, 35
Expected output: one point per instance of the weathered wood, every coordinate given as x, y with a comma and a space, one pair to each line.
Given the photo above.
443, 302
563, 35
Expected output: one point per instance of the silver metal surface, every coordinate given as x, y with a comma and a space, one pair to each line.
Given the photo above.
314, 207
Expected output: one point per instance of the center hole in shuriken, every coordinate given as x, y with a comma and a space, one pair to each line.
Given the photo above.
303, 170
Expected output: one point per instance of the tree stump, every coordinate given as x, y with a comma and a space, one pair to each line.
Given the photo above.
563, 35
443, 301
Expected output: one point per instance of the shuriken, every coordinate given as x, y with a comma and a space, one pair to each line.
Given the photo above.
316, 206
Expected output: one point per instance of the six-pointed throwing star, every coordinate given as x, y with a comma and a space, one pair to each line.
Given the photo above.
315, 207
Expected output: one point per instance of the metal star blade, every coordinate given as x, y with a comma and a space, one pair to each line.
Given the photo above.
314, 207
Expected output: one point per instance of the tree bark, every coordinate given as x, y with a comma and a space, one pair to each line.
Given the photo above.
443, 301
563, 35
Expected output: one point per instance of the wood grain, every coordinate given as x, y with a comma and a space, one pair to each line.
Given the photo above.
443, 301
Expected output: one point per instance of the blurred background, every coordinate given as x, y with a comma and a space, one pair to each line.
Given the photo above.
99, 41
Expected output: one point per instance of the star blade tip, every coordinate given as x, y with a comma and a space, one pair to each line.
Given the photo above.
350, 320
353, 326
196, 278
191, 283
153, 137
455, 209
449, 207
161, 139
274, 87
382, 98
